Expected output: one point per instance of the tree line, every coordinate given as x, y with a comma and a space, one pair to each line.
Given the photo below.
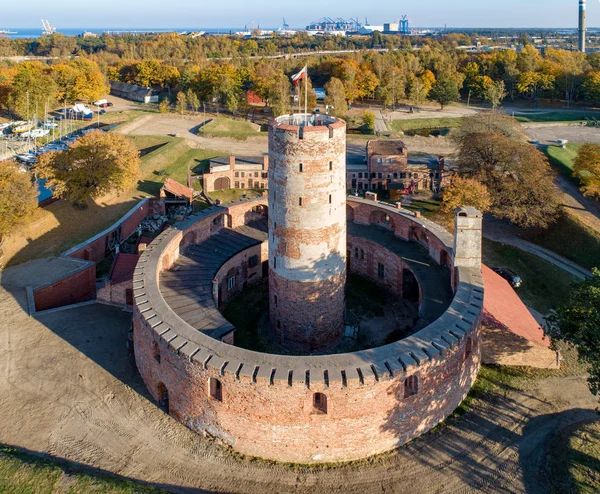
413, 70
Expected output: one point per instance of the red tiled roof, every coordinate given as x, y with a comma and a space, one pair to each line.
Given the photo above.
502, 307
123, 267
177, 189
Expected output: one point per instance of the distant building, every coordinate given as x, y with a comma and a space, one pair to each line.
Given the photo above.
133, 92
388, 166
237, 172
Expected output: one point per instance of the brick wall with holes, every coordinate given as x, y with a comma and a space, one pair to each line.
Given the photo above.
350, 419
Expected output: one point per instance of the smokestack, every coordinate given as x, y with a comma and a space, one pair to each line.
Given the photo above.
582, 26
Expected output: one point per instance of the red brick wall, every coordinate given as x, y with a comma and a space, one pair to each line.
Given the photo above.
95, 250
368, 266
238, 265
279, 422
79, 287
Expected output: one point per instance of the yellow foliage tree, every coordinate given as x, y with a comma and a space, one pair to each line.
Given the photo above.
18, 197
587, 168
465, 192
96, 164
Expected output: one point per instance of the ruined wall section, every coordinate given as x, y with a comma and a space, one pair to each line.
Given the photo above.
307, 233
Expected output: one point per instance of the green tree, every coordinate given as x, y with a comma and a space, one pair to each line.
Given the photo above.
368, 120
444, 91
94, 165
18, 197
586, 167
465, 192
336, 97
578, 322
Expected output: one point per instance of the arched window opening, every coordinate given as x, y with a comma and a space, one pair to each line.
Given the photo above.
215, 389
162, 395
411, 386
320, 403
156, 351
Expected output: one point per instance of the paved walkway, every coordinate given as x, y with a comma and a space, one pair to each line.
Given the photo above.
381, 127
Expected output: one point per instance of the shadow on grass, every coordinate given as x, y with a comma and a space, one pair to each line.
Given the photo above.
42, 473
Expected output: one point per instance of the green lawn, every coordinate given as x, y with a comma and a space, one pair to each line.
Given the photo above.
544, 285
556, 116
226, 127
569, 238
563, 158
584, 458
23, 473
424, 123
169, 157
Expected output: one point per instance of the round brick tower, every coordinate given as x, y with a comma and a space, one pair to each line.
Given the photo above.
307, 231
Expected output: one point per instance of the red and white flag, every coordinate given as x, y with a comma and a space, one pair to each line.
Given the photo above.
296, 78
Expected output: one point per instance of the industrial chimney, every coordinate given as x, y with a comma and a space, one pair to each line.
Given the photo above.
582, 26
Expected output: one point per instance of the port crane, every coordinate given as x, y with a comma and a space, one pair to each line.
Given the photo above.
48, 28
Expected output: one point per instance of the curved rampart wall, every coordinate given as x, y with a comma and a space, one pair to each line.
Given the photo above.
306, 409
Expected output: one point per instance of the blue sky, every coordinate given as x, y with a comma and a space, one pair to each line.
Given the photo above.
268, 13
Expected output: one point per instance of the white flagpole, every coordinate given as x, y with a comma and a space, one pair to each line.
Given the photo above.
306, 94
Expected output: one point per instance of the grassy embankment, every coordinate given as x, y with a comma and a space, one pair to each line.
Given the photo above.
226, 127
563, 159
27, 473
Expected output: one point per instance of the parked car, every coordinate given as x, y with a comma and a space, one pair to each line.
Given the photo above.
514, 280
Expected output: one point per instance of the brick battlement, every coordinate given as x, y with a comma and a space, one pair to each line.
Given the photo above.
276, 390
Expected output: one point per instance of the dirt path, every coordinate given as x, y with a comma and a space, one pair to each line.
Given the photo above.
70, 389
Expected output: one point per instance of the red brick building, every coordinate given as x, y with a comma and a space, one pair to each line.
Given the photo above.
237, 172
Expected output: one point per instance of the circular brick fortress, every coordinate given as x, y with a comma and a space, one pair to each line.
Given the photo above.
304, 408
307, 226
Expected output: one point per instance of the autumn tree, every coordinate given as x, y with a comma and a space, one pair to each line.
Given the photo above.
18, 197
497, 123
444, 91
192, 99
181, 103
533, 83
591, 87
368, 120
335, 97
586, 167
94, 165
518, 177
578, 322
495, 93
465, 191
